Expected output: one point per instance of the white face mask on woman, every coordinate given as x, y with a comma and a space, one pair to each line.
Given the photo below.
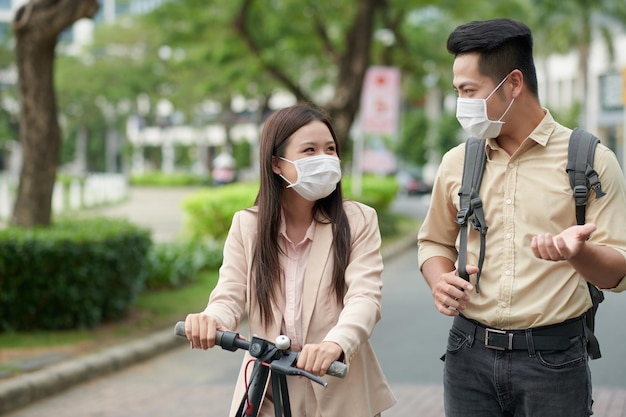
472, 115
317, 176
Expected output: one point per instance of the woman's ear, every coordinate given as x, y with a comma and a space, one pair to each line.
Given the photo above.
276, 165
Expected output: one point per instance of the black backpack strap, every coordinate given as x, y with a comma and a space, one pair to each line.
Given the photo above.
471, 206
584, 178
593, 346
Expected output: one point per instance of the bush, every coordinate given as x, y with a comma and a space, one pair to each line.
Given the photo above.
74, 274
172, 265
377, 192
210, 212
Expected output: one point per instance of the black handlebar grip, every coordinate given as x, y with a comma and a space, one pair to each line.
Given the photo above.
338, 369
179, 330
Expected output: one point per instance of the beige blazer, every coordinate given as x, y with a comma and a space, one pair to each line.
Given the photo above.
364, 391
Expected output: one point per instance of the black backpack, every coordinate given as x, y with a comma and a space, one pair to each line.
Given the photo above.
583, 179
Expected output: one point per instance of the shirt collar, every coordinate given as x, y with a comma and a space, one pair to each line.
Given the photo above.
541, 134
544, 129
310, 232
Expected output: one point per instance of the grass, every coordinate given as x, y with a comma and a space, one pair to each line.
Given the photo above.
154, 310
163, 306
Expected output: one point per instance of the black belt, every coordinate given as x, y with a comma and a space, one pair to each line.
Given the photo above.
552, 337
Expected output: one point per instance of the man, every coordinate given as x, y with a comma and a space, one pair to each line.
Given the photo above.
533, 288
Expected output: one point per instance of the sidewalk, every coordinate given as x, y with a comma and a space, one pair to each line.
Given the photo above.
159, 210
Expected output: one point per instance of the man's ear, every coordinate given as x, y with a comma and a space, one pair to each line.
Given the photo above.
276, 165
517, 82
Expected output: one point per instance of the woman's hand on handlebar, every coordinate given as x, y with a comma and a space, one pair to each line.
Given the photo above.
316, 358
200, 330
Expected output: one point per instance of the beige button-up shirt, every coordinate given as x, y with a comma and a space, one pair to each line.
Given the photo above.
525, 194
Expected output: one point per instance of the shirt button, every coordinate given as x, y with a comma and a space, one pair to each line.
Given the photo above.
508, 201
507, 272
511, 166
508, 235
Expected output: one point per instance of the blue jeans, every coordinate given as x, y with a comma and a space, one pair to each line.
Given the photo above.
483, 382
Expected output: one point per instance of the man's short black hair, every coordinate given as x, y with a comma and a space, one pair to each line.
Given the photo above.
503, 45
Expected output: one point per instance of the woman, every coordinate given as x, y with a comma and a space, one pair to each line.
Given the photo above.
306, 264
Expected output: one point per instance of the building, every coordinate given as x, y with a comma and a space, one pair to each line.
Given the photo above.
560, 87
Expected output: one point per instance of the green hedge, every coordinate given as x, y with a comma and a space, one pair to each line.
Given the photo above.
210, 212
377, 192
74, 274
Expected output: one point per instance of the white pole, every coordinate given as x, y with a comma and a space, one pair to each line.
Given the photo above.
357, 163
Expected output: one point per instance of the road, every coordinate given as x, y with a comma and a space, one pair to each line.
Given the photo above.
408, 341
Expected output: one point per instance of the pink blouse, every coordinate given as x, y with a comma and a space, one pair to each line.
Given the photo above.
294, 263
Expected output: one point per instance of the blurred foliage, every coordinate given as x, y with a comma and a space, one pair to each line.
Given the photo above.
164, 54
73, 274
413, 145
162, 308
376, 191
190, 53
210, 211
569, 117
175, 264
242, 152
449, 133
152, 310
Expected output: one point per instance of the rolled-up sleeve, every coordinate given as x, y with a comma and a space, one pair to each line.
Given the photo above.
438, 233
607, 213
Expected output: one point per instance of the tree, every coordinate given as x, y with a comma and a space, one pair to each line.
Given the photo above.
96, 97
300, 47
565, 26
37, 25
347, 50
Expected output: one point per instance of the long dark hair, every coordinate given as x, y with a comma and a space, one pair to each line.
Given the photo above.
266, 268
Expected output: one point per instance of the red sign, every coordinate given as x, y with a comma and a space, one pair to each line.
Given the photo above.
380, 100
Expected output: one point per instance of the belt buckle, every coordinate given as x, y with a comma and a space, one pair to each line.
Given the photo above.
488, 331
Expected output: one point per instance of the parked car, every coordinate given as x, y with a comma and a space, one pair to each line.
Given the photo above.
412, 185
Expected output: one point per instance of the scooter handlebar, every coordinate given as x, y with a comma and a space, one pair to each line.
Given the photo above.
231, 341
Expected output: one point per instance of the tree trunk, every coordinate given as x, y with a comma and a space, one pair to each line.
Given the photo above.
37, 25
353, 64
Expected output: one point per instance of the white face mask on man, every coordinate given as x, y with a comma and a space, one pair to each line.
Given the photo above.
472, 115
317, 176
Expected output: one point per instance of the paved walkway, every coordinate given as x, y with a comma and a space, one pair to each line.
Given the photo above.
156, 208
159, 209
